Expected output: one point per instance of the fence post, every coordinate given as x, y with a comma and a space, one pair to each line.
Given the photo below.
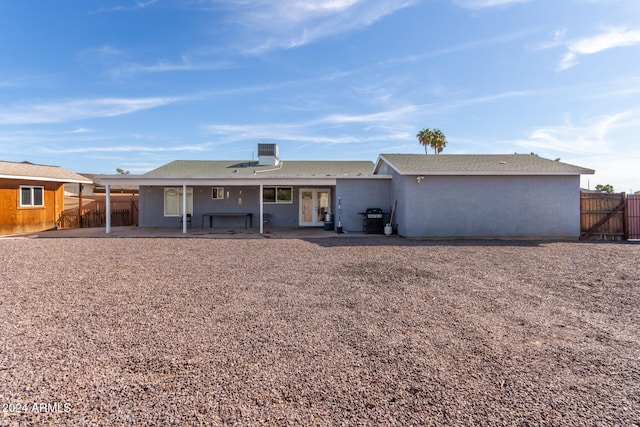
625, 217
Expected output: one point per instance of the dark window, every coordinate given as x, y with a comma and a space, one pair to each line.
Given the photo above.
269, 195
31, 196
277, 194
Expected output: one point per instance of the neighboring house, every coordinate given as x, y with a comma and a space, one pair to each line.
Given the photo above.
123, 198
89, 190
434, 196
32, 196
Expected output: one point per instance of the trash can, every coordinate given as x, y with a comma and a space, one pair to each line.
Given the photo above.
373, 221
328, 225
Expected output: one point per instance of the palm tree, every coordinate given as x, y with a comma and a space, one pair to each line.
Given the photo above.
424, 137
439, 141
432, 138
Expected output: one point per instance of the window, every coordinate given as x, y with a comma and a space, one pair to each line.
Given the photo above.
269, 194
31, 196
277, 194
217, 193
173, 201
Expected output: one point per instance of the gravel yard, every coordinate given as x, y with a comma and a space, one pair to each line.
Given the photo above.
331, 331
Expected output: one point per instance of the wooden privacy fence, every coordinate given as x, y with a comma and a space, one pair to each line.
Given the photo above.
609, 216
633, 217
93, 218
94, 215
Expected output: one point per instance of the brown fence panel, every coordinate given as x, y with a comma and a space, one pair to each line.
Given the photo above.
120, 217
594, 208
633, 217
68, 219
94, 218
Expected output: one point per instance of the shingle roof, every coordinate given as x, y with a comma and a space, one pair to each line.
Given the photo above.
30, 171
250, 168
463, 164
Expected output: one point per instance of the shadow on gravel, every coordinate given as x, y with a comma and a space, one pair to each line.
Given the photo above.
401, 241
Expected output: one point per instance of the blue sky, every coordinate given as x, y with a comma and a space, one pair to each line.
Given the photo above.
97, 85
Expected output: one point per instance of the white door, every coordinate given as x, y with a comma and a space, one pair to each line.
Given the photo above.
315, 203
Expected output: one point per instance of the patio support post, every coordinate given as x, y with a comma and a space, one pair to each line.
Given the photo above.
108, 208
261, 212
80, 187
184, 208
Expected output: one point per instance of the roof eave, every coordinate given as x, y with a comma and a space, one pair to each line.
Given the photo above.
498, 173
150, 179
47, 179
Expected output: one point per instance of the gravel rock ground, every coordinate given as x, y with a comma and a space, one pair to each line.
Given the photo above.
375, 331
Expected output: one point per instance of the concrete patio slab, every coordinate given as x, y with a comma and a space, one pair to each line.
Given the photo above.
207, 233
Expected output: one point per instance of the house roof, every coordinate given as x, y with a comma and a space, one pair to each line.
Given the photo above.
33, 172
476, 164
244, 168
244, 172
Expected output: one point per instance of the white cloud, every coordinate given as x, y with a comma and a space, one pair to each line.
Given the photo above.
136, 6
152, 148
163, 66
592, 135
120, 65
482, 4
558, 40
473, 44
290, 23
615, 37
606, 143
611, 168
280, 132
394, 124
78, 109
389, 116
331, 129
487, 99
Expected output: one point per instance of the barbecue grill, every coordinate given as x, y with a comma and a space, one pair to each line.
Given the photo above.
373, 221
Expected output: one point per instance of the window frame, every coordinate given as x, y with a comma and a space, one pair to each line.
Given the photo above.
275, 199
217, 191
178, 190
32, 196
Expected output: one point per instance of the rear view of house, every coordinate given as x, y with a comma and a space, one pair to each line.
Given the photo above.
32, 196
443, 196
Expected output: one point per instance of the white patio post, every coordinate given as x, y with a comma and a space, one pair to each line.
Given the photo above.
261, 211
108, 208
184, 208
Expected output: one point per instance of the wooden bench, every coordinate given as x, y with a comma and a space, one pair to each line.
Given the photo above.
248, 217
